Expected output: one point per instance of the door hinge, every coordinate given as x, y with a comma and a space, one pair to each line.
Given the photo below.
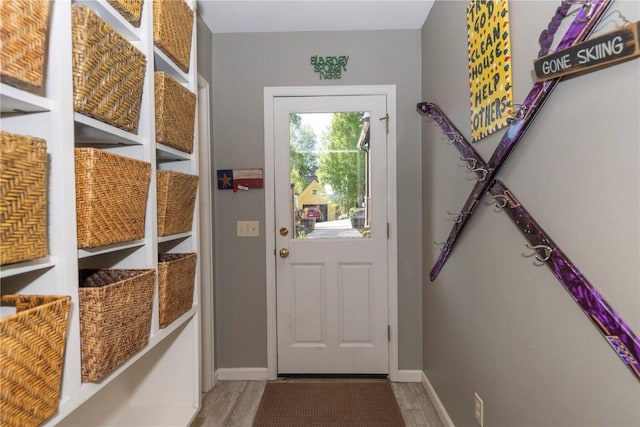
386, 123
388, 230
389, 332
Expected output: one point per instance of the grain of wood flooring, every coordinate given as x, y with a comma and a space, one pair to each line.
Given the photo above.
235, 403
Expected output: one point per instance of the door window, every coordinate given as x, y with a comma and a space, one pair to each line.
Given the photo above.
330, 175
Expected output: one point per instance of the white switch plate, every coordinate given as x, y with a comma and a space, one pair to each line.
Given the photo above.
247, 228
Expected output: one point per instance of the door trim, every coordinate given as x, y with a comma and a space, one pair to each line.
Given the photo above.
206, 237
270, 229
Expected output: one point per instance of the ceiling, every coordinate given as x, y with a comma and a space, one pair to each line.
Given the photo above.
248, 16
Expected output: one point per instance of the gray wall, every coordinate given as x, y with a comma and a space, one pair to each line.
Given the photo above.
494, 323
205, 49
243, 65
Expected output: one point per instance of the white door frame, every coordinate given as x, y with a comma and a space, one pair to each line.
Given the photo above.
270, 228
206, 237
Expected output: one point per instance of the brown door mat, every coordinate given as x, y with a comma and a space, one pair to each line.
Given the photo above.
328, 403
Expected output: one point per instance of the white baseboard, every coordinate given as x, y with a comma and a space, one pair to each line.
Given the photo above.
440, 409
242, 374
408, 376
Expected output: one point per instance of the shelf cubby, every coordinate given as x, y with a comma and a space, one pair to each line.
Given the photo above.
160, 383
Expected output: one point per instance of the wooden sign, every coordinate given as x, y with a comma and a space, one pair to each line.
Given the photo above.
607, 49
489, 46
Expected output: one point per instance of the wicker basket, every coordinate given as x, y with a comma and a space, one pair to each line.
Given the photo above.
176, 274
175, 113
172, 30
23, 198
115, 318
108, 71
130, 9
32, 344
23, 42
111, 197
176, 200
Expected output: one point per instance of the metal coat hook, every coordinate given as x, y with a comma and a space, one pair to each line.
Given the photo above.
586, 4
483, 171
459, 216
548, 250
445, 138
436, 120
471, 162
606, 21
453, 137
501, 200
443, 245
520, 114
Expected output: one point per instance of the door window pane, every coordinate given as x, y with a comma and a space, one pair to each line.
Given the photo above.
330, 170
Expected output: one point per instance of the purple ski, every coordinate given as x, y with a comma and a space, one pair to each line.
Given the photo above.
469, 154
578, 31
616, 331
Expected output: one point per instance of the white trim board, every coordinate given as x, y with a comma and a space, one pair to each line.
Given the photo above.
408, 376
206, 242
437, 403
392, 245
242, 374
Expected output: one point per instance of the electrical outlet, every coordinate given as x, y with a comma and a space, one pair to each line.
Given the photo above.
478, 409
247, 229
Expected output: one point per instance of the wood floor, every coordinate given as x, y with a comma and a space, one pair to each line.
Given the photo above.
234, 404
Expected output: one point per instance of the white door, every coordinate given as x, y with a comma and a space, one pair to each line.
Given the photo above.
331, 274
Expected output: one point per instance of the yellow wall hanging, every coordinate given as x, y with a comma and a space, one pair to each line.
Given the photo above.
489, 48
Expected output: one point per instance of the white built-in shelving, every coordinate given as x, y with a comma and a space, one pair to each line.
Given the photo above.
160, 385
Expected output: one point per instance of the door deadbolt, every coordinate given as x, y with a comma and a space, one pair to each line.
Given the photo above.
284, 252
284, 231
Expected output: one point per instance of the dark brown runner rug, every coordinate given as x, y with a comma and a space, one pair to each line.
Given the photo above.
328, 403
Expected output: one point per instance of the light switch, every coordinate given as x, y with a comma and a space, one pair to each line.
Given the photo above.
248, 229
